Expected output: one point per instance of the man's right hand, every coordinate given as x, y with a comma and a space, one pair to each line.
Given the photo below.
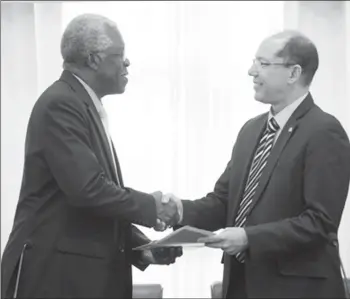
169, 210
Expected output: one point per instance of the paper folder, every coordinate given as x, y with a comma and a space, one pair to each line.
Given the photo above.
185, 236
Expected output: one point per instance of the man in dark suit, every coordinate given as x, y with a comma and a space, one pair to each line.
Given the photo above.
73, 234
282, 194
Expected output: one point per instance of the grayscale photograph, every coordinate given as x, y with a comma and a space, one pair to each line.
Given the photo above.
175, 149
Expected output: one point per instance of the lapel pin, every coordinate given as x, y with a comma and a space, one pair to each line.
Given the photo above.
290, 130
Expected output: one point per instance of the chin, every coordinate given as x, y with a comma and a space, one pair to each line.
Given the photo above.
119, 90
260, 98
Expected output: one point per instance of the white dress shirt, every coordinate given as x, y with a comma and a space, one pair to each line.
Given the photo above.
283, 116
104, 118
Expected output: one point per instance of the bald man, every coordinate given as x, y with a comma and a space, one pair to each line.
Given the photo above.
282, 194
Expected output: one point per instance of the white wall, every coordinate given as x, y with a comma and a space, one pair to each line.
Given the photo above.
327, 23
30, 36
18, 93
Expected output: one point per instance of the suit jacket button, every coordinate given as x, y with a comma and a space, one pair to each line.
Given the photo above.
121, 249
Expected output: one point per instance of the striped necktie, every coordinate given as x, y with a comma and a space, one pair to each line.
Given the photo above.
259, 162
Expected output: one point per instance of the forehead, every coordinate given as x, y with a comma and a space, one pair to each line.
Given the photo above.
116, 37
269, 48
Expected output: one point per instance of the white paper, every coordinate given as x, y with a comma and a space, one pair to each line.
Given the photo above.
186, 236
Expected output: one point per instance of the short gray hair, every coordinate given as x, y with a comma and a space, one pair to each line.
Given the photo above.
85, 34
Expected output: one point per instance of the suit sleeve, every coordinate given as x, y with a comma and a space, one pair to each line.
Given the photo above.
72, 162
138, 238
326, 182
209, 212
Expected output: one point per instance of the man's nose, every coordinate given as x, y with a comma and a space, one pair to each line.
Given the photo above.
252, 70
127, 62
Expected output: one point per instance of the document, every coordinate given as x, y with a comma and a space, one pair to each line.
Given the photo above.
185, 236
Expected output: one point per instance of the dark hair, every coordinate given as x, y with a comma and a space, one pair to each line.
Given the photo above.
300, 50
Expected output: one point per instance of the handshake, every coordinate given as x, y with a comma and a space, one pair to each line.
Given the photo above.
169, 210
169, 213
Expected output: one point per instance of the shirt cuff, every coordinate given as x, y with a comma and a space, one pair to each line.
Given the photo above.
180, 210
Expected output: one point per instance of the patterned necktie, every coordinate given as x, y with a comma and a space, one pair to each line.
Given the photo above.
259, 162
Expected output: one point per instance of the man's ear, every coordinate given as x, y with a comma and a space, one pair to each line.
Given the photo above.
93, 61
295, 74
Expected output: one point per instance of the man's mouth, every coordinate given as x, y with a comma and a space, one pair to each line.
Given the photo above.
257, 84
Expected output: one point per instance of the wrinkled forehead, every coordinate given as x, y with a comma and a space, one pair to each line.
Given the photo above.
269, 48
116, 37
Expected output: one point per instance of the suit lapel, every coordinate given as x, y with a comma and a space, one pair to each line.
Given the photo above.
288, 130
82, 94
274, 156
243, 160
102, 134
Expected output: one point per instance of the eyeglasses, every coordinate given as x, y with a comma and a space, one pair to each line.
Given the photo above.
265, 64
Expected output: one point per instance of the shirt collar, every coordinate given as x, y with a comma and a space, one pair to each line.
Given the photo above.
283, 116
92, 94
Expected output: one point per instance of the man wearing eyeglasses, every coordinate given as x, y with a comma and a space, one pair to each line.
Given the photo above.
282, 195
73, 234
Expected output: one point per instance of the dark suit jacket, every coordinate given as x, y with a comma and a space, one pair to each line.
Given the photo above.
72, 216
296, 208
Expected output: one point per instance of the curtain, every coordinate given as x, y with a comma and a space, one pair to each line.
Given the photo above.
188, 96
29, 63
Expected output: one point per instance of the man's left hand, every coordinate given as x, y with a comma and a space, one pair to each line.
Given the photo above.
161, 256
231, 240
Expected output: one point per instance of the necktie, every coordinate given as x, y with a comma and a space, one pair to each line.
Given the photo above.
259, 162
104, 119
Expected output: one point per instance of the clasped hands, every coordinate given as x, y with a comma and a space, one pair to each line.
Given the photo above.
169, 210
